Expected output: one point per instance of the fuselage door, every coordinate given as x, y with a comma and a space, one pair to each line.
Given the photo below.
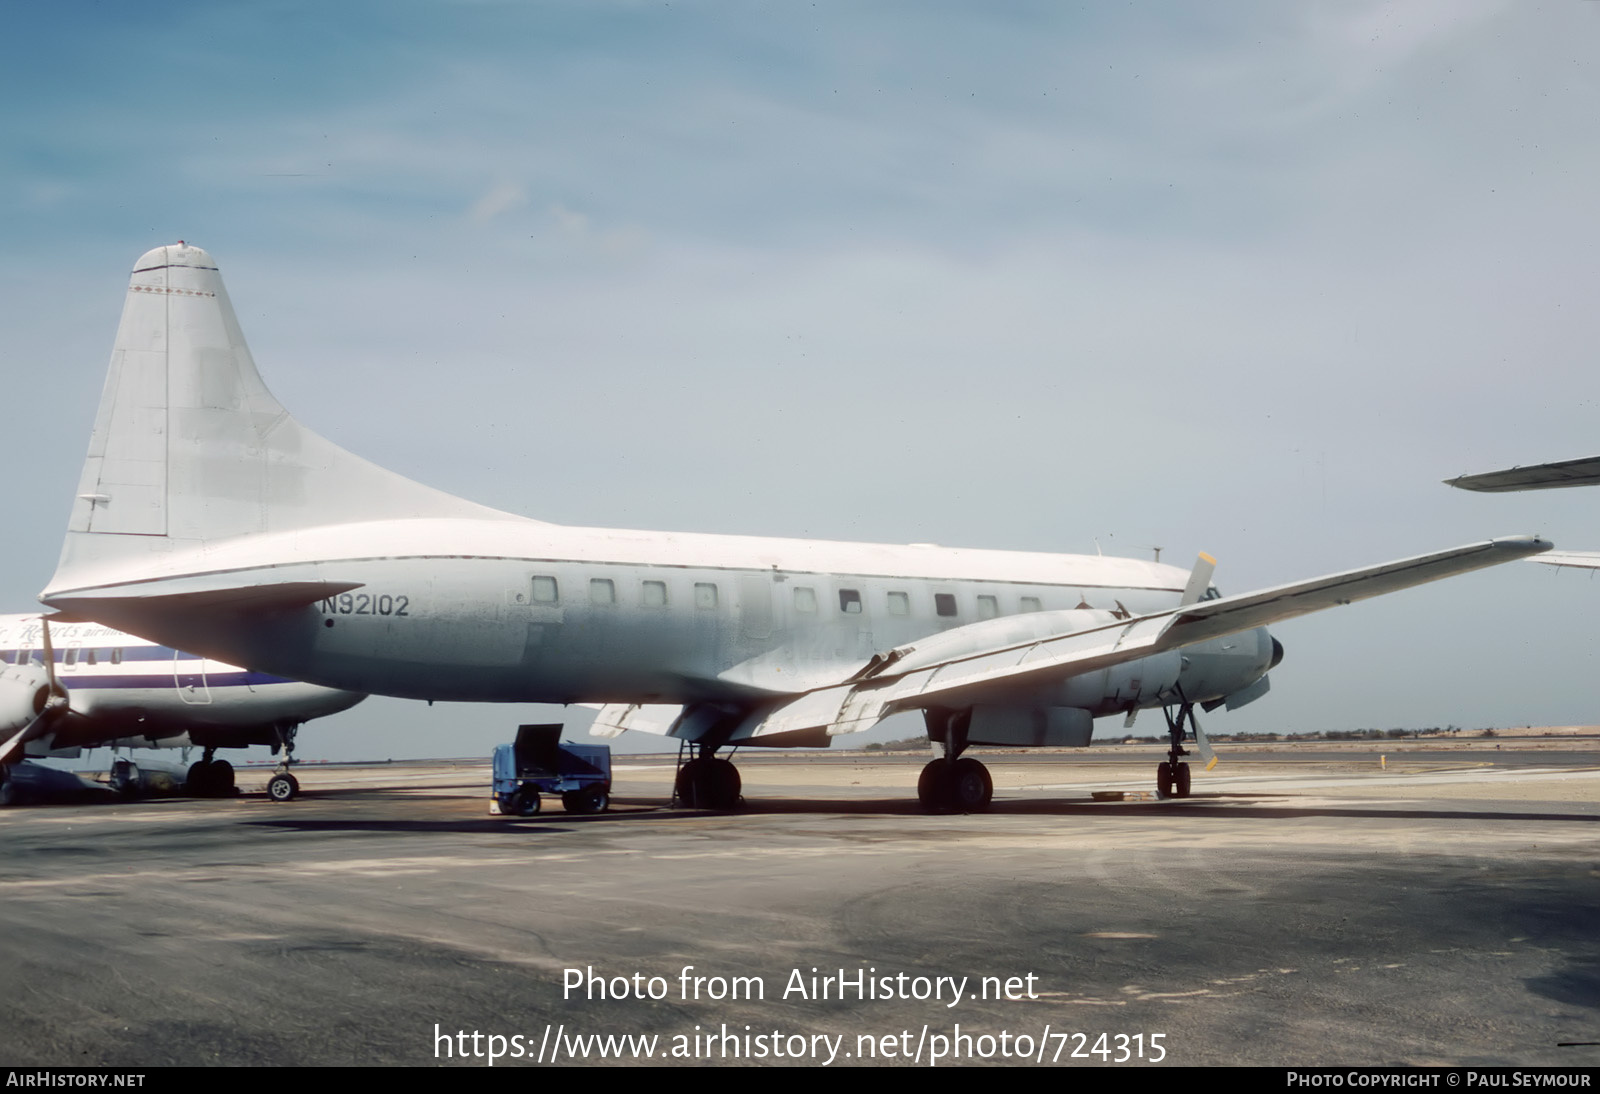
189, 677
755, 606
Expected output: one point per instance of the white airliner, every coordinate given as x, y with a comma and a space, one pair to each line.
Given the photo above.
209, 519
1542, 476
84, 685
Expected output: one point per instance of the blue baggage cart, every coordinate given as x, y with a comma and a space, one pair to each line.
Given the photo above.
538, 763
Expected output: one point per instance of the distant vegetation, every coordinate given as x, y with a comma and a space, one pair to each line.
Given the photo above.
905, 744
1330, 735
920, 743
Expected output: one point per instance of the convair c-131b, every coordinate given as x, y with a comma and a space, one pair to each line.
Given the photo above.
65, 687
208, 519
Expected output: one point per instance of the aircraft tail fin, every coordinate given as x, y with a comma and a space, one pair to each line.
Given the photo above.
189, 446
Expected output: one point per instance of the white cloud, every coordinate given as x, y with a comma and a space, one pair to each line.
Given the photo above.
502, 198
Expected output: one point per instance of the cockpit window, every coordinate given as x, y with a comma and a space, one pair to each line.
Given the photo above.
1212, 594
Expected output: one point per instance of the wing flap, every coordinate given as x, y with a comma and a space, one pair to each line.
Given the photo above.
615, 719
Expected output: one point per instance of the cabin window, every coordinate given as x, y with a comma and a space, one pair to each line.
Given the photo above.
545, 590
988, 607
602, 591
899, 604
116, 655
90, 658
944, 603
71, 657
705, 594
805, 600
849, 601
654, 594
1031, 604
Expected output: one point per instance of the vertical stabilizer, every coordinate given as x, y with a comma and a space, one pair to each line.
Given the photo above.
190, 447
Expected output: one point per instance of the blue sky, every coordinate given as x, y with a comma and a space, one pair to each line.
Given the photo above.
1244, 278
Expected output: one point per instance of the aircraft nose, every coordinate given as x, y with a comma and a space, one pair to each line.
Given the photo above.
1277, 653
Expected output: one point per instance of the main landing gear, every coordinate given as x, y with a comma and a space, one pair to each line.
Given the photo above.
1172, 775
210, 777
706, 782
953, 783
283, 787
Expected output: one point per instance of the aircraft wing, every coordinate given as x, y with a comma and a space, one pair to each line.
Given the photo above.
1539, 476
902, 681
1582, 560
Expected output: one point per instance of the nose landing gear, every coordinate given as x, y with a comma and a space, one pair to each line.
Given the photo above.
1172, 775
283, 787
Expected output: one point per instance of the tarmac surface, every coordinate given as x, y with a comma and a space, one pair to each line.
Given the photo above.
1434, 906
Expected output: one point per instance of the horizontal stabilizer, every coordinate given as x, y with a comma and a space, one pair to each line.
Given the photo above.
204, 593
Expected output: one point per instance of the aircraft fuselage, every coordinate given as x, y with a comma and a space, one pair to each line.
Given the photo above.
501, 610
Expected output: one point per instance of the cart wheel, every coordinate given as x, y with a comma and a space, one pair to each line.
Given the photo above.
525, 801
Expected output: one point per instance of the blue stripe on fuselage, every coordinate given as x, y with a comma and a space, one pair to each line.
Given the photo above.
165, 680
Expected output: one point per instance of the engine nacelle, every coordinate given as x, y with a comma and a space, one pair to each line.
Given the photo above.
1220, 667
24, 693
1038, 727
1206, 671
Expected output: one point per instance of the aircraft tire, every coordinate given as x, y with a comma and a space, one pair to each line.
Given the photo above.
688, 785
971, 787
198, 781
936, 786
1164, 780
220, 779
283, 787
1180, 780
719, 784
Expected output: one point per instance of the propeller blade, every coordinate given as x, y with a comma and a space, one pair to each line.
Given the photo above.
16, 740
49, 657
1199, 580
1202, 745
